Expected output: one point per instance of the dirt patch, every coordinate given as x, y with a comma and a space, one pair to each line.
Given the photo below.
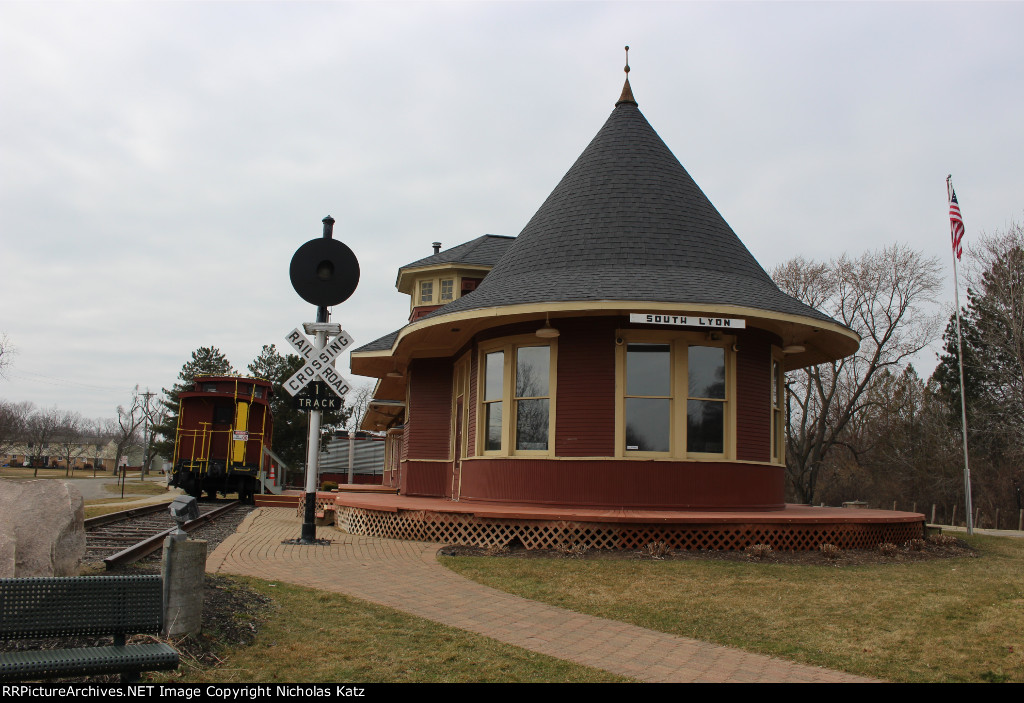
945, 548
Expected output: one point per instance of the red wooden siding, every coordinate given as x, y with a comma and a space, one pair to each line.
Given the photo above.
753, 395
423, 478
624, 483
430, 402
585, 401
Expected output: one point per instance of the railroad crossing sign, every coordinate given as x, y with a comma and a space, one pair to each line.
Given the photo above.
319, 361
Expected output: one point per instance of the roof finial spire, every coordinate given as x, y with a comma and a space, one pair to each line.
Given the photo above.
627, 92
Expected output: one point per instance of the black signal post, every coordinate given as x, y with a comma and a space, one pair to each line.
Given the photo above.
323, 272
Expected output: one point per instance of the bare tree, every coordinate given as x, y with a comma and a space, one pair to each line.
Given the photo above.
125, 429
6, 352
41, 429
157, 416
358, 400
886, 297
13, 421
95, 437
68, 439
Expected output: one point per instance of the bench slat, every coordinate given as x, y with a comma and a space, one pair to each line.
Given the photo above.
91, 660
80, 605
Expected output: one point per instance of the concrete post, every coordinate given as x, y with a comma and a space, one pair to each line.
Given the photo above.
184, 569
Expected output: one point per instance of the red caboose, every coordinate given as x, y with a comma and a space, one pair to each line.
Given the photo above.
224, 423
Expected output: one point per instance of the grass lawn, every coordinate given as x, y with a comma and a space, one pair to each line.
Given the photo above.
95, 508
27, 472
959, 619
314, 636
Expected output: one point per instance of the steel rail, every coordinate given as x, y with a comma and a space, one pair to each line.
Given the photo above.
151, 544
101, 520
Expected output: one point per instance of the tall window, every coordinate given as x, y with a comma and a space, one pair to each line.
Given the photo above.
705, 401
532, 397
675, 395
516, 386
493, 396
648, 397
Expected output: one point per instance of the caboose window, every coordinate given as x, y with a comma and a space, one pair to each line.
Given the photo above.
209, 387
223, 414
258, 393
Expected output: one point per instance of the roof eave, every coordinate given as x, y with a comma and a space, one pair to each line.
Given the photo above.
444, 334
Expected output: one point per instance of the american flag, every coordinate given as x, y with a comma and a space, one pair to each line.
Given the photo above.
956, 223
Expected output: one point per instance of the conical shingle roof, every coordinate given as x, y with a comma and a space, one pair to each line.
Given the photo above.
627, 222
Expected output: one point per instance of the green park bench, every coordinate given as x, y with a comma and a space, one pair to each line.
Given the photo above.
83, 606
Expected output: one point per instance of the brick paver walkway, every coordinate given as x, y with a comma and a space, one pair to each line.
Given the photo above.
406, 576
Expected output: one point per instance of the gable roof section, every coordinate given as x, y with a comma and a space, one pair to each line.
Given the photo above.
485, 250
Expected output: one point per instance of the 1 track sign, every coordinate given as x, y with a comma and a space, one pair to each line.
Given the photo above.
317, 396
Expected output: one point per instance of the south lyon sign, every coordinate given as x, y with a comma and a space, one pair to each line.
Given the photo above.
731, 323
319, 363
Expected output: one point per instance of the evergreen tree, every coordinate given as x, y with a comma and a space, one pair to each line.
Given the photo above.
205, 361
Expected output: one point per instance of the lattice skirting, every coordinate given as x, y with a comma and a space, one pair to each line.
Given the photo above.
460, 529
324, 503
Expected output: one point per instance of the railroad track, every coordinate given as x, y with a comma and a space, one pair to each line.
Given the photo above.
121, 538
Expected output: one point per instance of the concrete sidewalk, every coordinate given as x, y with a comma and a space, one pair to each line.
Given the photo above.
407, 576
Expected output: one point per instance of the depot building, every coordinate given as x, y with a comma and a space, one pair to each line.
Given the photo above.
625, 350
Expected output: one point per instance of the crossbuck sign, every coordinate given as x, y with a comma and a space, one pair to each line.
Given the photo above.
319, 362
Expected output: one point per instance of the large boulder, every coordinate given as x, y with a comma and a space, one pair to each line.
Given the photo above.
42, 531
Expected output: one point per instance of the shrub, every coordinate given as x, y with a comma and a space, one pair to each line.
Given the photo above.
916, 545
655, 550
496, 550
888, 549
759, 551
573, 550
830, 551
328, 485
943, 540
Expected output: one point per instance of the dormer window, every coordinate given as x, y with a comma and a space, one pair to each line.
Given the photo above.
426, 292
447, 290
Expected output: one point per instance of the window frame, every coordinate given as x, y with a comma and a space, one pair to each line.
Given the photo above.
440, 290
420, 286
509, 413
777, 382
679, 343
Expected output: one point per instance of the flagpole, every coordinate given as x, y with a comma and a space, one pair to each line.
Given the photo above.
960, 358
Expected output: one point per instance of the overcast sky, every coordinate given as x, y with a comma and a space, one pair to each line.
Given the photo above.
161, 162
